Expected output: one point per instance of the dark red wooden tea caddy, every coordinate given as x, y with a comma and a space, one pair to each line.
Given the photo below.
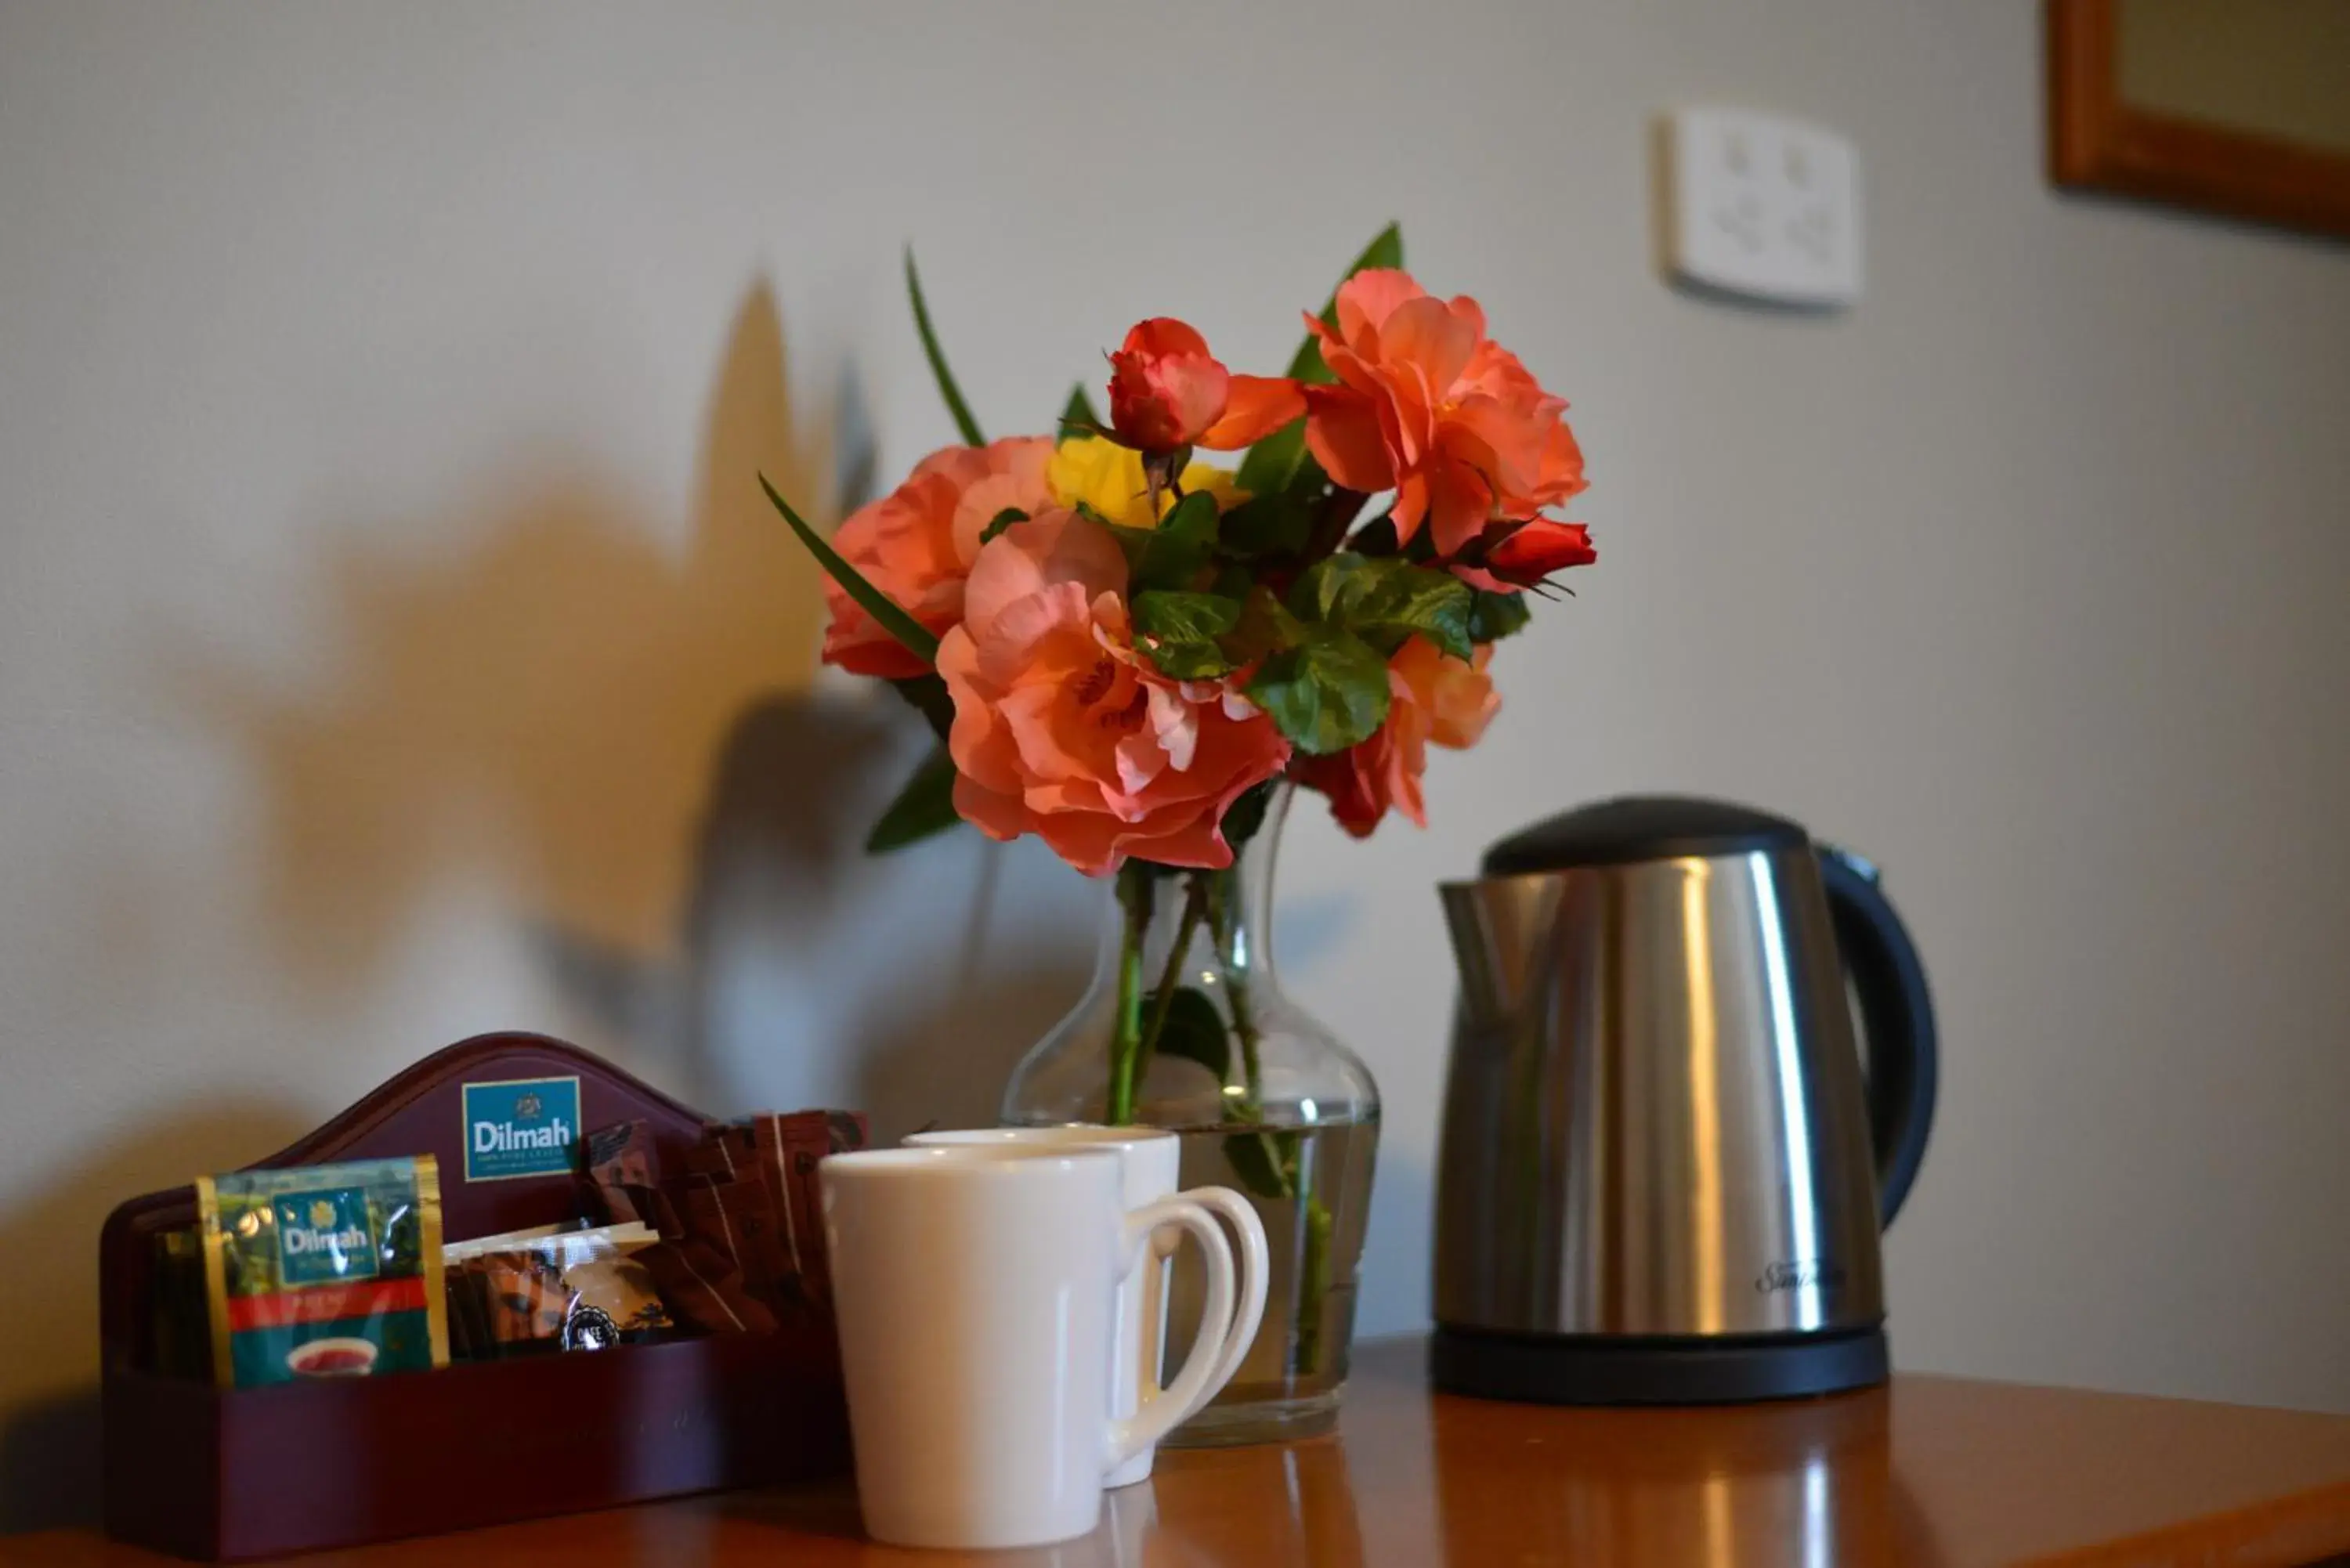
231, 1474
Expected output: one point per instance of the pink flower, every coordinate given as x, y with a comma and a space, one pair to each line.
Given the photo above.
1430, 407
1434, 698
1166, 390
917, 544
1061, 730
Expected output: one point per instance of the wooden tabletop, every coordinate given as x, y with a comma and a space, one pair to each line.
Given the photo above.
1931, 1472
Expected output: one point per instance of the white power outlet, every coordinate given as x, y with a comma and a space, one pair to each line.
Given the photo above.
1763, 207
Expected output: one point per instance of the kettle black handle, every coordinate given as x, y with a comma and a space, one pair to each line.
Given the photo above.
1897, 1016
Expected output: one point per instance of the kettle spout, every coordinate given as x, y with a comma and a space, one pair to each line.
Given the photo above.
1498, 928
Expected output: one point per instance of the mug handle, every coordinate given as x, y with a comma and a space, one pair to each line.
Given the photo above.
1254, 1261
1204, 1371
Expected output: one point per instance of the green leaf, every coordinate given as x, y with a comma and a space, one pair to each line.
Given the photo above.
913, 634
1233, 580
1170, 556
1271, 465
1266, 627
1246, 814
1278, 523
1385, 599
1185, 617
1178, 631
1323, 587
927, 695
1327, 694
925, 806
1492, 617
1000, 521
1256, 1160
1077, 416
1190, 661
1401, 599
1194, 1031
1383, 254
952, 394
1384, 251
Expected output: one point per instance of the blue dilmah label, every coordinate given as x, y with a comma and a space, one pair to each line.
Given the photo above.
325, 1235
521, 1126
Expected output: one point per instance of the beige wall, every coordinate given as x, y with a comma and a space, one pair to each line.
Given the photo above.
392, 646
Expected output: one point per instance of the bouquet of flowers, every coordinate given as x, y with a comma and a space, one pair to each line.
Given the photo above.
1124, 645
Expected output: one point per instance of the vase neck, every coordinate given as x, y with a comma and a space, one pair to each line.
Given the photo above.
1223, 919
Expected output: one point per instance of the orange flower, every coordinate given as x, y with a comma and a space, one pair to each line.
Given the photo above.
917, 544
1427, 405
1061, 730
1433, 698
1166, 390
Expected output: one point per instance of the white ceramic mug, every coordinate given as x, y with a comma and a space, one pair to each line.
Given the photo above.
1149, 1157
974, 1288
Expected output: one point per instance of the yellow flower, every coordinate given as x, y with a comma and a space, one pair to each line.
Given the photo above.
1107, 477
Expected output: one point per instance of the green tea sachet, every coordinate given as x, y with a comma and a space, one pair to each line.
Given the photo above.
323, 1270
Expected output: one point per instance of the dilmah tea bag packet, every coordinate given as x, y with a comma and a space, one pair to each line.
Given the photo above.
322, 1270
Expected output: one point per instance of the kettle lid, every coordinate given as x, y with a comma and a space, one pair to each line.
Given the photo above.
1640, 827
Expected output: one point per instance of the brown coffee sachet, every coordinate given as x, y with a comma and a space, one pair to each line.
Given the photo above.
703, 1290
623, 1178
808, 1138
772, 1156
716, 1156
738, 1220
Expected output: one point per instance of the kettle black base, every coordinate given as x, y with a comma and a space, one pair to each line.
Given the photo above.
1655, 1369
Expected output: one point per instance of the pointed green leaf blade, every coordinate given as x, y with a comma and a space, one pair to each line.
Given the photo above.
1271, 464
924, 807
1257, 1162
1245, 815
928, 695
1195, 1031
892, 617
1077, 416
1384, 252
948, 390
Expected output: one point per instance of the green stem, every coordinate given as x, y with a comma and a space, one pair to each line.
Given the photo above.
1195, 905
1134, 898
1286, 1156
1313, 1282
1237, 997
1283, 1153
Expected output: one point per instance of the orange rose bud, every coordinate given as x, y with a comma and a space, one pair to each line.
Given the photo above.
1167, 391
1529, 553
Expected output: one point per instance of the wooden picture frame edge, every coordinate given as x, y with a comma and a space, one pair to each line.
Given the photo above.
2098, 142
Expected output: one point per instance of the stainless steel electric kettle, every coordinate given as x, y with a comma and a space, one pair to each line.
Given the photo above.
1663, 1168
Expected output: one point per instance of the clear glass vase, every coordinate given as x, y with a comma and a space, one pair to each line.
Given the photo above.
1186, 1028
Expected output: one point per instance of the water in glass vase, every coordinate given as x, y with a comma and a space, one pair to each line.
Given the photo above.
1187, 1027
1312, 1187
